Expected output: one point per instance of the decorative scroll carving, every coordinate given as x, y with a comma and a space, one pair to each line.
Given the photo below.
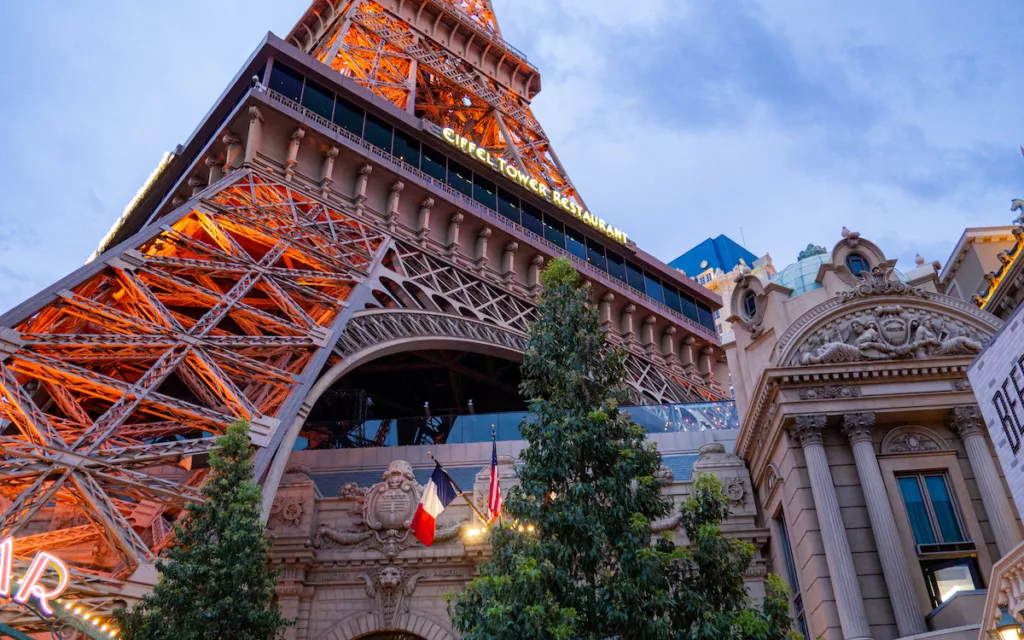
888, 332
961, 384
288, 510
830, 392
880, 281
912, 439
389, 586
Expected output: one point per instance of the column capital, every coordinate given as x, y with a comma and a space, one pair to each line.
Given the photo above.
858, 426
966, 421
808, 429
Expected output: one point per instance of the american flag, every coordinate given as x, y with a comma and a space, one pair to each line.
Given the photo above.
494, 502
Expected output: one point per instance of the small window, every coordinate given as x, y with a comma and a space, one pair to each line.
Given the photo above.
485, 192
378, 133
616, 266
508, 205
460, 178
635, 276
704, 316
595, 254
532, 218
433, 164
576, 243
654, 289
933, 516
348, 116
796, 600
407, 148
672, 298
750, 304
689, 307
945, 578
856, 264
318, 100
286, 82
554, 231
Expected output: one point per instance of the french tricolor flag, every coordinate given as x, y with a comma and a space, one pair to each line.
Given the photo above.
437, 495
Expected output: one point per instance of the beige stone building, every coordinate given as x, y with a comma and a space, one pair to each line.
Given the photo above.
870, 460
984, 268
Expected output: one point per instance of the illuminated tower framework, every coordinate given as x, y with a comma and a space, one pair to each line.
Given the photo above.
346, 198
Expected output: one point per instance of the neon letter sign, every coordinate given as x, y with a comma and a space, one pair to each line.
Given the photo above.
30, 585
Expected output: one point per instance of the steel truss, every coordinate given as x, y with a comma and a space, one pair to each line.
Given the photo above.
414, 70
114, 388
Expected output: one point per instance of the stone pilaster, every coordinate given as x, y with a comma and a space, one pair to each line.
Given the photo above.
359, 191
255, 138
648, 334
232, 152
293, 153
668, 346
604, 311
895, 568
423, 222
508, 262
686, 359
216, 168
327, 171
843, 575
480, 259
452, 242
391, 215
704, 363
626, 323
536, 264
968, 424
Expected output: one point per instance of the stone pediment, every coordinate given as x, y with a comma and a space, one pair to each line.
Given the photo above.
901, 325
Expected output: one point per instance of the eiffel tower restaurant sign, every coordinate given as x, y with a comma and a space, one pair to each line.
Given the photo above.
30, 585
510, 171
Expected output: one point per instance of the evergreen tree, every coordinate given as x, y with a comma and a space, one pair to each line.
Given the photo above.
587, 488
705, 580
215, 583
578, 560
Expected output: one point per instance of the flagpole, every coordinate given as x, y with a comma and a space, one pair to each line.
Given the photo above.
494, 443
459, 489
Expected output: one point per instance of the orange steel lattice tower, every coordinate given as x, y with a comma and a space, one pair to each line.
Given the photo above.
275, 245
446, 62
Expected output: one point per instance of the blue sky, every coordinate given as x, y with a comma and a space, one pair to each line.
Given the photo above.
677, 119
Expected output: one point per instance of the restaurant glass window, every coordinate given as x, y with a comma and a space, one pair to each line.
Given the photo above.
576, 243
485, 192
407, 148
704, 316
532, 218
508, 205
286, 82
654, 289
348, 116
318, 99
378, 133
616, 266
595, 254
433, 164
554, 231
635, 276
460, 178
689, 307
672, 298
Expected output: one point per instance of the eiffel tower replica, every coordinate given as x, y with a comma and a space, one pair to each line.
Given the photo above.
373, 186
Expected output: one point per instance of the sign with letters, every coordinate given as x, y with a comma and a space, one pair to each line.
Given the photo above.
538, 187
30, 585
997, 378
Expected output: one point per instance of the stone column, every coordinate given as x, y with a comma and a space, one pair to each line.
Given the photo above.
704, 363
648, 334
858, 427
216, 169
327, 171
533, 277
452, 241
391, 215
969, 425
508, 262
481, 249
359, 191
232, 151
254, 140
423, 222
604, 310
686, 352
842, 573
668, 346
626, 323
293, 153
197, 183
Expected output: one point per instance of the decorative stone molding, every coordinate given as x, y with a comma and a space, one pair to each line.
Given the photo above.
966, 421
391, 217
858, 426
215, 166
293, 153
480, 260
808, 429
961, 384
508, 262
327, 171
423, 222
389, 586
747, 283
830, 392
888, 332
232, 152
912, 439
452, 240
288, 510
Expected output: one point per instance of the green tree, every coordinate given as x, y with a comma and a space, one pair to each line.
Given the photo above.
214, 583
587, 488
705, 579
578, 559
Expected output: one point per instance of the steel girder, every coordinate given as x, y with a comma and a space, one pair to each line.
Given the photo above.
114, 389
416, 71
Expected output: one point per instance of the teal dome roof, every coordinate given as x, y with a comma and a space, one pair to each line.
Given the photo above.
801, 275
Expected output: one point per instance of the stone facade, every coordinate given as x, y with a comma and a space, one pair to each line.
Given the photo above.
351, 568
852, 392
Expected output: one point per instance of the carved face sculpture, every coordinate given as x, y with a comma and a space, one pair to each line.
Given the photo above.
857, 327
390, 578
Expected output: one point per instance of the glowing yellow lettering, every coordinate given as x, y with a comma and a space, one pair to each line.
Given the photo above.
490, 159
463, 144
6, 558
481, 154
502, 163
449, 134
522, 178
602, 226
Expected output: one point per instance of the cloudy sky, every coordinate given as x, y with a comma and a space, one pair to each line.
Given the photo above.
677, 119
